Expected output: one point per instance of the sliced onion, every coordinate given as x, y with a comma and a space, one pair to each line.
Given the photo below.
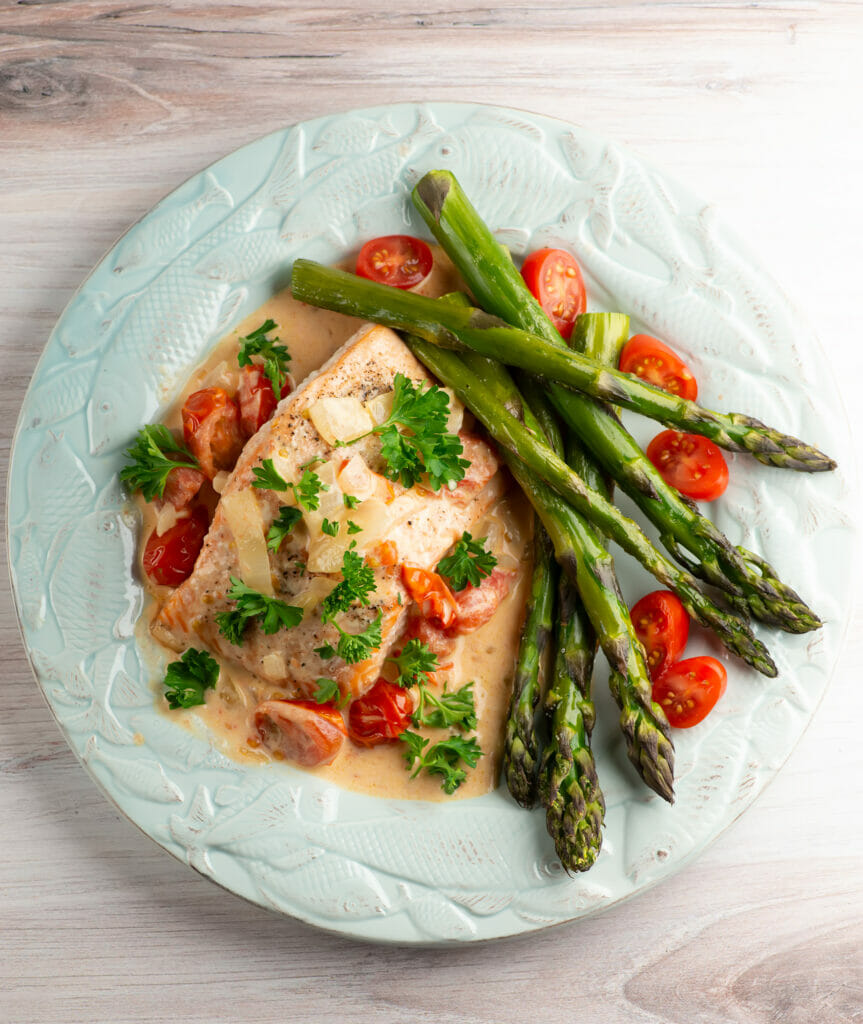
219, 480
357, 479
311, 596
243, 516
340, 418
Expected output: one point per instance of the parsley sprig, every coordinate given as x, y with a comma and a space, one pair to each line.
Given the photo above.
251, 604
354, 647
356, 584
282, 526
442, 758
456, 709
415, 663
423, 444
328, 692
468, 563
276, 357
187, 680
306, 491
150, 463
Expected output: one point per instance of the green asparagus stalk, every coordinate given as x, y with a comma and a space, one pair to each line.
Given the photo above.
568, 784
590, 568
521, 744
500, 289
459, 329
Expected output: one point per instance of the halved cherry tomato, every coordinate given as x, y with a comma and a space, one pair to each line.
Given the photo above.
476, 605
301, 731
381, 715
689, 462
182, 485
432, 595
654, 361
689, 690
211, 427
662, 625
256, 398
555, 280
170, 558
398, 260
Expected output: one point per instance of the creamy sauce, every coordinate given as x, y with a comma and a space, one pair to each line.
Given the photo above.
486, 656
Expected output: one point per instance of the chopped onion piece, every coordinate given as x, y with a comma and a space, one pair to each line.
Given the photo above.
380, 406
340, 418
331, 504
273, 665
243, 516
358, 480
219, 480
325, 552
166, 517
456, 413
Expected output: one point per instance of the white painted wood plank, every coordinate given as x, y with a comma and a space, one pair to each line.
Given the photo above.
105, 107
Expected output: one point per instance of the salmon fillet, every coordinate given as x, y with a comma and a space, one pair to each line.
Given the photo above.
420, 527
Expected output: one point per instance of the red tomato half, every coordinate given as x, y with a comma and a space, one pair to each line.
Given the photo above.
398, 260
432, 595
662, 625
211, 427
689, 462
381, 715
555, 281
476, 605
301, 731
654, 362
689, 690
256, 398
170, 558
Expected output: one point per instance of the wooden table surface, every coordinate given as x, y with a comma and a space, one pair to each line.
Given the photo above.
104, 107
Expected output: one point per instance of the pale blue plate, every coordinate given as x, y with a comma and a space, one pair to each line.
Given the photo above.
211, 253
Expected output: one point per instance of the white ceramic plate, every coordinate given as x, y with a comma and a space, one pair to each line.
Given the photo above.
207, 256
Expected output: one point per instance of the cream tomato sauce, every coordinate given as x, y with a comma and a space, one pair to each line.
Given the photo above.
486, 656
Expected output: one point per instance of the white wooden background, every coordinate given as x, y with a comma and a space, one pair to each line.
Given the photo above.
104, 107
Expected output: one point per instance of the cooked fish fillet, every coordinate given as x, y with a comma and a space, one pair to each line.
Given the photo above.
420, 527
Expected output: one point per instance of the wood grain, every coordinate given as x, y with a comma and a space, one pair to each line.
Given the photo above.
105, 107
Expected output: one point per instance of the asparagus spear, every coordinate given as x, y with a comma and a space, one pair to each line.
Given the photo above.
500, 289
590, 568
521, 744
569, 788
463, 328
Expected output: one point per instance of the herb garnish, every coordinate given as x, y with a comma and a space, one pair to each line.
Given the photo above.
251, 604
415, 663
351, 500
358, 581
148, 471
276, 357
441, 758
326, 651
330, 527
450, 709
468, 563
328, 692
187, 679
306, 492
354, 647
282, 526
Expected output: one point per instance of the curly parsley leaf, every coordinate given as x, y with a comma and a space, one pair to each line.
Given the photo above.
282, 526
326, 651
272, 613
186, 680
351, 500
306, 492
456, 709
268, 478
330, 527
328, 692
357, 582
415, 663
150, 465
423, 444
468, 563
354, 647
353, 528
276, 357
442, 758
